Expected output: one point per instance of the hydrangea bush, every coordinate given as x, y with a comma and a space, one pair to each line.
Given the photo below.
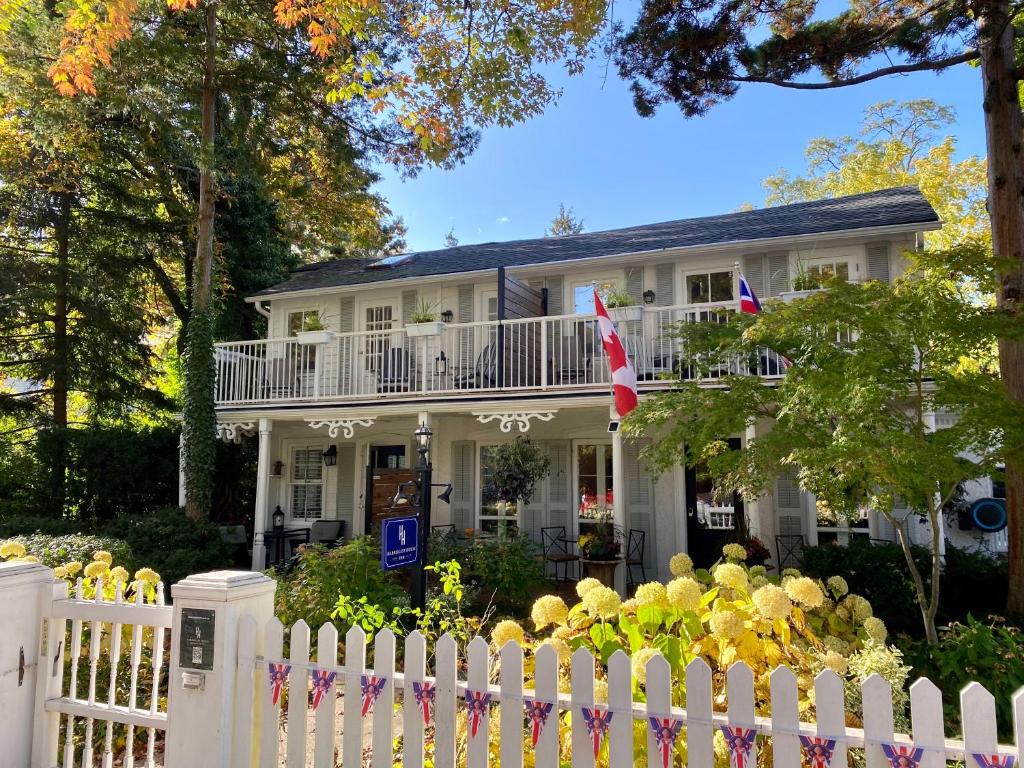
729, 613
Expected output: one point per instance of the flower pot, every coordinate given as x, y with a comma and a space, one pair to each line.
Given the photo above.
314, 337
602, 570
625, 314
788, 296
434, 328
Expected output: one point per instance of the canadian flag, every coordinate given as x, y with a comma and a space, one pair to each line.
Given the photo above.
623, 373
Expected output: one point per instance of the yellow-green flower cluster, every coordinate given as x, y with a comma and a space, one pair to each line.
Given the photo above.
834, 661
639, 663
601, 602
772, 602
680, 564
875, 629
119, 574
102, 556
562, 649
147, 575
11, 549
652, 593
684, 593
507, 630
585, 585
549, 609
837, 586
73, 568
733, 576
726, 624
735, 552
97, 569
805, 591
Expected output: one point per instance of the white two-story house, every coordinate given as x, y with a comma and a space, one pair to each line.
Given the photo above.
515, 351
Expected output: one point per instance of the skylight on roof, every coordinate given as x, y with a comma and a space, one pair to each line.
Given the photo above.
391, 261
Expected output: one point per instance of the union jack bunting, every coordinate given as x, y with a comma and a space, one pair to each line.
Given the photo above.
322, 682
476, 707
278, 675
425, 695
598, 721
740, 742
901, 756
993, 761
748, 299
666, 731
537, 712
819, 750
372, 687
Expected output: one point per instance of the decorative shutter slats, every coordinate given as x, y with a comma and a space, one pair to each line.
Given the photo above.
346, 345
559, 496
346, 483
878, 262
665, 285
464, 365
778, 273
408, 305
463, 484
788, 506
639, 494
753, 270
635, 284
555, 305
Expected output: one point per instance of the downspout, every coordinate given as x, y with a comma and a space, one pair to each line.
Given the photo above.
258, 306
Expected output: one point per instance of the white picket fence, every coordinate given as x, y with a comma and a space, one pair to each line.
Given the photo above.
97, 632
258, 734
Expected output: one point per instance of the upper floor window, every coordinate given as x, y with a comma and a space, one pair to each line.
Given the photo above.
583, 295
707, 287
302, 321
824, 271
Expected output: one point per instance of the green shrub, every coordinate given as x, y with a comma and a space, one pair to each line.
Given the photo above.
59, 550
310, 590
989, 653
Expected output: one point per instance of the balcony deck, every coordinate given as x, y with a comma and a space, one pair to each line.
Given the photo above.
537, 354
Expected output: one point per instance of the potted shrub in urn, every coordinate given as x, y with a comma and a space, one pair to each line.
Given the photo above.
314, 332
423, 321
600, 550
621, 305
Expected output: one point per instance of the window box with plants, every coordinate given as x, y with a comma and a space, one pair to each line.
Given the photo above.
622, 306
314, 331
424, 322
804, 284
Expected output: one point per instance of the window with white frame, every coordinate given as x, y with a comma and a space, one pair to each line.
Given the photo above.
583, 294
379, 322
707, 287
306, 483
494, 514
301, 321
823, 271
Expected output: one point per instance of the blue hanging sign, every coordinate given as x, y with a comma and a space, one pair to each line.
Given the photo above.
399, 542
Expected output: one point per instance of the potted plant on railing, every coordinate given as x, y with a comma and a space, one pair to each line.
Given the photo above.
804, 284
621, 305
423, 321
600, 550
314, 331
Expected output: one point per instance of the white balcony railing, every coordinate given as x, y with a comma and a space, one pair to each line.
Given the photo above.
537, 353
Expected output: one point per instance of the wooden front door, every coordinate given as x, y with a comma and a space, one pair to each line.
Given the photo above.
383, 483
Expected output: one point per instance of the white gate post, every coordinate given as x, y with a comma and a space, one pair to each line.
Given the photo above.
24, 589
201, 702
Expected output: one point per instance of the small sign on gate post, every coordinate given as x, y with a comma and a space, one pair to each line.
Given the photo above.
399, 542
196, 644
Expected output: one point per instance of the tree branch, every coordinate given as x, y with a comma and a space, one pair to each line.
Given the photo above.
898, 69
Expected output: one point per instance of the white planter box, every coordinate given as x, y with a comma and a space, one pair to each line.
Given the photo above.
314, 337
793, 295
625, 314
435, 328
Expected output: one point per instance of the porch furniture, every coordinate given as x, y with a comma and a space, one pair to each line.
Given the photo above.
484, 373
789, 550
556, 550
572, 361
277, 539
635, 546
330, 533
445, 534
238, 540
602, 570
395, 372
281, 377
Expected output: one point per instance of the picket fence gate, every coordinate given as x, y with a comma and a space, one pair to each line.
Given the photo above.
437, 701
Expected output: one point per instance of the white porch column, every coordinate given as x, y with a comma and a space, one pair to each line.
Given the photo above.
259, 551
756, 526
202, 704
619, 500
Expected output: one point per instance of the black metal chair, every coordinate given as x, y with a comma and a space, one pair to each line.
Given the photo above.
789, 551
484, 373
635, 547
556, 550
395, 374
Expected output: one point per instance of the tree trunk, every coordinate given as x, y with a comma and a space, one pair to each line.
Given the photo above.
198, 422
1004, 131
928, 607
61, 357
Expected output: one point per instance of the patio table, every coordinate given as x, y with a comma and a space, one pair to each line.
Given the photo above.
278, 537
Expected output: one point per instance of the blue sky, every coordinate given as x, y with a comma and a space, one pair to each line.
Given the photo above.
592, 152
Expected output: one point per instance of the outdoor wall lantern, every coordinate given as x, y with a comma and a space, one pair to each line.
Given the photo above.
441, 364
330, 456
278, 468
648, 296
447, 316
422, 436
277, 519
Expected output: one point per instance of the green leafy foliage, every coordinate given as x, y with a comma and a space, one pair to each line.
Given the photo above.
55, 551
515, 469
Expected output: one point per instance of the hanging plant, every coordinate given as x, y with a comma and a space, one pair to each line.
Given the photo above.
515, 469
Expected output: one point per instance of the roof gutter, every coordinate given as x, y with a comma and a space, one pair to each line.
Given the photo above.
758, 243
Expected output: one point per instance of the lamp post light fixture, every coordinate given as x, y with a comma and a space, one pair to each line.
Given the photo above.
422, 436
277, 518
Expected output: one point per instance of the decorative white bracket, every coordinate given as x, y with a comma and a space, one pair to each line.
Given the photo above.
518, 419
234, 431
345, 426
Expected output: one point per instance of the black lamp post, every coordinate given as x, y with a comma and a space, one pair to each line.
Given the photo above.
424, 477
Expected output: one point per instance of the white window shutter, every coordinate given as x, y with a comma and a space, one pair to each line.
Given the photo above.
665, 285
778, 273
463, 499
878, 262
753, 270
408, 305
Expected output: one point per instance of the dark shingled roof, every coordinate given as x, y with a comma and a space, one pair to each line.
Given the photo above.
887, 207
